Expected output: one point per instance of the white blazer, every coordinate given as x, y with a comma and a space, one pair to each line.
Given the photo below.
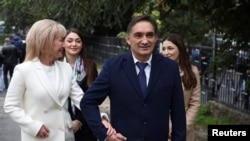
32, 100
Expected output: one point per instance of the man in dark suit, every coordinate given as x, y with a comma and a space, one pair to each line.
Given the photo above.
138, 115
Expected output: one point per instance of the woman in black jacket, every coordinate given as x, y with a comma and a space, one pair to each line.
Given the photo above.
85, 71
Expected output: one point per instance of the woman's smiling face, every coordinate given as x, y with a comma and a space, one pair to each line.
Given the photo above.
170, 50
73, 44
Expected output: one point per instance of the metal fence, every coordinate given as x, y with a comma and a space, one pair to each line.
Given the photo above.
228, 87
102, 48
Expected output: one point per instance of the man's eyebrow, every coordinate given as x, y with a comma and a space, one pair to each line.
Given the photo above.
145, 33
137, 32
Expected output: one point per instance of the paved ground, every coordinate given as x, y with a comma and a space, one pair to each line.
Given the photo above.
9, 131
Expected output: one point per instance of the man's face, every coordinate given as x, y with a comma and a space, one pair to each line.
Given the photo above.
142, 39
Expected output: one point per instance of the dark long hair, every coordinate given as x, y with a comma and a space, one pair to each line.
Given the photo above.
89, 65
188, 79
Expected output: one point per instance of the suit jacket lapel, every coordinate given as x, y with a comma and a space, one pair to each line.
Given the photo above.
156, 70
129, 68
46, 82
59, 83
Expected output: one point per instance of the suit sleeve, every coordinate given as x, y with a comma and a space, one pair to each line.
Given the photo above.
94, 96
13, 102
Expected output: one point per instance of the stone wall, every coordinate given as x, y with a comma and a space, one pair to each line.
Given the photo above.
220, 110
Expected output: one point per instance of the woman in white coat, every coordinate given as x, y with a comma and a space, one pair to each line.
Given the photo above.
40, 87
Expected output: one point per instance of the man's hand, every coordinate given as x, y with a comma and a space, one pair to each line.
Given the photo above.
43, 132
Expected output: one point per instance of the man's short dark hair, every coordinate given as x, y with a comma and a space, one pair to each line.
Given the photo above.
142, 18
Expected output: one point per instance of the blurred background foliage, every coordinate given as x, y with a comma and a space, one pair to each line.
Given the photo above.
227, 19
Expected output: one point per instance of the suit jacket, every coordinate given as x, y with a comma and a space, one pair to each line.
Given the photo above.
32, 100
135, 116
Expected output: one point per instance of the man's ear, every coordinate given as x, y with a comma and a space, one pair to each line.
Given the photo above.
127, 38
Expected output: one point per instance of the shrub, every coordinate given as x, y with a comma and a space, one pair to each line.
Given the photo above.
204, 117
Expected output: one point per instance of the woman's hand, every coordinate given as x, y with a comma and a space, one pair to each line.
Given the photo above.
43, 132
110, 130
116, 137
76, 125
169, 135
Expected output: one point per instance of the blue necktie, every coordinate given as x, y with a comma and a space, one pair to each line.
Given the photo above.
142, 77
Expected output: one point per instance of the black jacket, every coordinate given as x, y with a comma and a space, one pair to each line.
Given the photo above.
84, 133
10, 54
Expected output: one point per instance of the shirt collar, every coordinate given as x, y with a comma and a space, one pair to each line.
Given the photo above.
148, 61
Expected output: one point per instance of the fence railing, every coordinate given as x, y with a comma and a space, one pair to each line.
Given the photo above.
102, 48
227, 87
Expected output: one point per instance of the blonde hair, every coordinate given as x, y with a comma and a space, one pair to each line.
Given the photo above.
40, 37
